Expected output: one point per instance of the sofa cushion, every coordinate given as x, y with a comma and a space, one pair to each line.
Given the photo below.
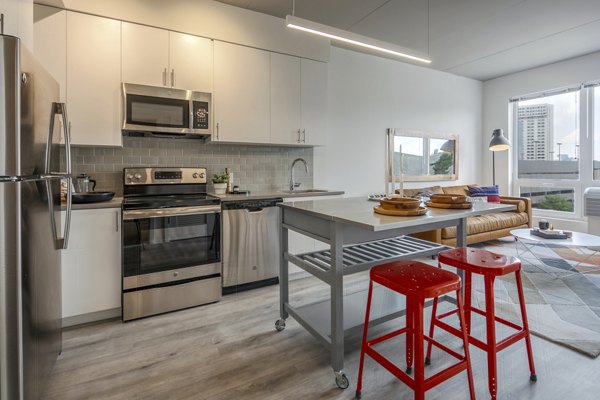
462, 190
490, 192
422, 191
521, 206
488, 223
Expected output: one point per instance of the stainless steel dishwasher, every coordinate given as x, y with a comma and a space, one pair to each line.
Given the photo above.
250, 245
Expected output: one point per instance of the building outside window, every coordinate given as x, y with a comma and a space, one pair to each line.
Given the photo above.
553, 149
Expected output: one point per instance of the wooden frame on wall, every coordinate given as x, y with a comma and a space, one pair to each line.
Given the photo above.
430, 140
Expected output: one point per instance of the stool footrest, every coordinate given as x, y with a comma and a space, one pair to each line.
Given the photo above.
501, 345
408, 380
386, 336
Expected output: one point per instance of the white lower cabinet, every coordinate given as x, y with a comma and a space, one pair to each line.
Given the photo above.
91, 266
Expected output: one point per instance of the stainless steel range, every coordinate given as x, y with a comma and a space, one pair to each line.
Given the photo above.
171, 241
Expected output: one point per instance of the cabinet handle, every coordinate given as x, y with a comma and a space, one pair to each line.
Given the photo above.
217, 131
303, 135
165, 77
172, 78
117, 220
299, 137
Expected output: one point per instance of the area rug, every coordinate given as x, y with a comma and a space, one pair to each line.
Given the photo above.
562, 292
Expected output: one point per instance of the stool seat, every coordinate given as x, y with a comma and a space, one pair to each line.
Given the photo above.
480, 261
415, 278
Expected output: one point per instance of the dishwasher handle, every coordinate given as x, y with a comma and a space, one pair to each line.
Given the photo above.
255, 209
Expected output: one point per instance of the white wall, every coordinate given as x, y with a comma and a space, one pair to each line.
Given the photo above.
18, 19
369, 94
496, 93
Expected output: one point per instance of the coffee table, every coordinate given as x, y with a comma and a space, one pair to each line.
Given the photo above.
530, 242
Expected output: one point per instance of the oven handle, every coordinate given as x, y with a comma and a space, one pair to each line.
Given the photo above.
129, 215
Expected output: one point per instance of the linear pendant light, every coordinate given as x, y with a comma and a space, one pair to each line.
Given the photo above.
349, 37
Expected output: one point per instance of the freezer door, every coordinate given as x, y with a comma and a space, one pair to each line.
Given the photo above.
39, 93
9, 101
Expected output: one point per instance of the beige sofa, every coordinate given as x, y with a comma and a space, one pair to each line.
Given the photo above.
482, 228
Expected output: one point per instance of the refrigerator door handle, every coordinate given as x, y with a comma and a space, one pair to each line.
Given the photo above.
61, 108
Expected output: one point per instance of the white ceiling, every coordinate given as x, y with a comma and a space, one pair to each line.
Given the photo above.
480, 39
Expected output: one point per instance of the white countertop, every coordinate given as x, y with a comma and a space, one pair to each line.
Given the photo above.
359, 211
275, 194
114, 203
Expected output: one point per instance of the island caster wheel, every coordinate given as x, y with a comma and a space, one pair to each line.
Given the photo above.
280, 325
341, 380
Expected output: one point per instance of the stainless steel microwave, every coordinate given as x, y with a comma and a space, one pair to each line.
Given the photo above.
160, 111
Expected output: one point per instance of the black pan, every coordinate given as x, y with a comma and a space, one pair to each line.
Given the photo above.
92, 197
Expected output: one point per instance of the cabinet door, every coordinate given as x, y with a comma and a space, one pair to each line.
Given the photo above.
94, 79
314, 101
241, 94
50, 46
50, 43
190, 62
145, 55
91, 266
285, 99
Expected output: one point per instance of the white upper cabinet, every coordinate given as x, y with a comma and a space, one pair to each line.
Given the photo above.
313, 90
285, 99
298, 101
145, 55
241, 94
94, 79
50, 43
158, 57
190, 62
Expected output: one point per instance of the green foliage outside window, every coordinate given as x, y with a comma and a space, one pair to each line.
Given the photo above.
555, 202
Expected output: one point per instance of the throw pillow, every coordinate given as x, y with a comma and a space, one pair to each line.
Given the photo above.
491, 192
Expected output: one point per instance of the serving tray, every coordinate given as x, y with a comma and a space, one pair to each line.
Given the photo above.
462, 206
401, 213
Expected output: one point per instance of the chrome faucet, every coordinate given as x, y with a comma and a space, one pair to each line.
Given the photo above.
292, 183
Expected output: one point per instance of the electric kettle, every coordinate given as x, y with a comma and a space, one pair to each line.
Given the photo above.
84, 184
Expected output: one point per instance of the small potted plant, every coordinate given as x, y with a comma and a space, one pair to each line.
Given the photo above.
220, 183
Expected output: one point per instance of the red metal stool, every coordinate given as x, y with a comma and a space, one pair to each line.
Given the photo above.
416, 281
490, 265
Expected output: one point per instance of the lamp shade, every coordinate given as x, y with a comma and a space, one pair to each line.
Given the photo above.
499, 142
448, 146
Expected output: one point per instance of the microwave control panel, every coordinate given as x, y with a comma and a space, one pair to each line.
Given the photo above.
201, 113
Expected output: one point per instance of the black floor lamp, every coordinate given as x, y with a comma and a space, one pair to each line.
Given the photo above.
499, 142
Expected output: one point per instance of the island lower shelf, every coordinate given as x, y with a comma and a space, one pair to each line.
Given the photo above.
362, 256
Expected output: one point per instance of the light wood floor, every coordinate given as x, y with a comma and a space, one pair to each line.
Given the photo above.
230, 350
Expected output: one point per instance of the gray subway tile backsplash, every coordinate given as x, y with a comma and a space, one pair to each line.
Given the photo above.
255, 168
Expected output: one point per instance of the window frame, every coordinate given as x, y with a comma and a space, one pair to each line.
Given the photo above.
586, 152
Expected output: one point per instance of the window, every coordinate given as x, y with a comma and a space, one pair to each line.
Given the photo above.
556, 149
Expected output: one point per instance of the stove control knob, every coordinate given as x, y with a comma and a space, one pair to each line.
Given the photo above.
202, 175
129, 177
195, 175
138, 176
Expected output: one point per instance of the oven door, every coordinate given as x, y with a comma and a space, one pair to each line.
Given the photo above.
172, 244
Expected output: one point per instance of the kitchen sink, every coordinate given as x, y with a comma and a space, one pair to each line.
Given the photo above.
302, 191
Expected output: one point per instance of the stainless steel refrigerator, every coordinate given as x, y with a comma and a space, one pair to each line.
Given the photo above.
31, 232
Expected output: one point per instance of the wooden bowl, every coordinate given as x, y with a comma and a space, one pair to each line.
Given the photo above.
448, 198
399, 203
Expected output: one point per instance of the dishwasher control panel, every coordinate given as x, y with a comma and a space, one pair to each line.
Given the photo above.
250, 204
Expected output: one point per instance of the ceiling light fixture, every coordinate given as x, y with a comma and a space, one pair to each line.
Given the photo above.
350, 37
